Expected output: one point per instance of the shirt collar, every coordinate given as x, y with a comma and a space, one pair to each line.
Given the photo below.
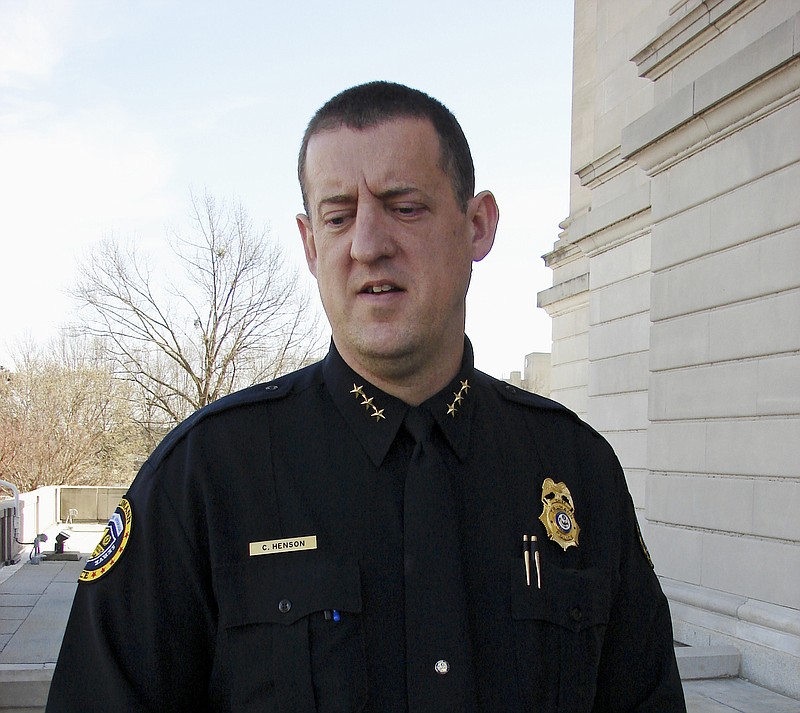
376, 417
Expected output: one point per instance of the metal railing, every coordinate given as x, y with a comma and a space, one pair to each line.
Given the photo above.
26, 515
10, 518
9, 548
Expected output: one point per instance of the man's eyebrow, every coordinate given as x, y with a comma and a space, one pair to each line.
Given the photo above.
337, 199
388, 194
398, 192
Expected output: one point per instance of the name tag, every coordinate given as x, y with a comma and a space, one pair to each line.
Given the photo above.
272, 547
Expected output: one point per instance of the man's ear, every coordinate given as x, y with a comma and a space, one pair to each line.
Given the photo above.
483, 215
309, 246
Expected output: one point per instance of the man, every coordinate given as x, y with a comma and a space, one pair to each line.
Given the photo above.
389, 530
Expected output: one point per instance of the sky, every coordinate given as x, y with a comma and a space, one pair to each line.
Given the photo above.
112, 113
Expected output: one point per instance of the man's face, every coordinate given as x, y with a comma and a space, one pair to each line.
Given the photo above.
391, 249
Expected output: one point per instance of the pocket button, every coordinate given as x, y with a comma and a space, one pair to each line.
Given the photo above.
284, 606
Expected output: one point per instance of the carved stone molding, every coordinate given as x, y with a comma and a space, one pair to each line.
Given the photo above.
691, 25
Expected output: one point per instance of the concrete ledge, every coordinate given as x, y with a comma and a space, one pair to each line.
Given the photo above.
24, 687
707, 662
563, 290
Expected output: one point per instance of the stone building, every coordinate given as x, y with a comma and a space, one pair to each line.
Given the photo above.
536, 376
676, 301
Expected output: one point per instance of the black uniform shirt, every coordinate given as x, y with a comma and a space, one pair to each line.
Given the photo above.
259, 562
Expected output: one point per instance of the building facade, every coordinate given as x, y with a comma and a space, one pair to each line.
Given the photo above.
536, 376
676, 301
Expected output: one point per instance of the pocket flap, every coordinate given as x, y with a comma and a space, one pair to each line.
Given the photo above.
571, 598
284, 591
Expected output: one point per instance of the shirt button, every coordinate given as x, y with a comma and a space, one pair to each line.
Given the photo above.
576, 614
441, 667
284, 606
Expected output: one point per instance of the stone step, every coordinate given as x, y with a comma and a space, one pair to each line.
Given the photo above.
696, 662
23, 687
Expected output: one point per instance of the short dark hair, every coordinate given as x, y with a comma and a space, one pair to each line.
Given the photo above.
371, 104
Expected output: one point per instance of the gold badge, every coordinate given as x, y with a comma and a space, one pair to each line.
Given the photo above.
558, 514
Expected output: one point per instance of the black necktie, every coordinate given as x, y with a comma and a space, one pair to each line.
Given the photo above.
439, 674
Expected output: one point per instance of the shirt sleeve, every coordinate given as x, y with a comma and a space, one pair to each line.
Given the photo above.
637, 670
140, 634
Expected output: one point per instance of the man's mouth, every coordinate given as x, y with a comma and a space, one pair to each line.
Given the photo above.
378, 289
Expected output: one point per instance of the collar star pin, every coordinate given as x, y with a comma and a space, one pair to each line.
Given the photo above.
459, 395
558, 514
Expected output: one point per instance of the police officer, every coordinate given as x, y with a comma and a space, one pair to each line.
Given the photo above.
389, 530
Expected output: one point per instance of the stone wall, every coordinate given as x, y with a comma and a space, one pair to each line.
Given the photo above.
676, 301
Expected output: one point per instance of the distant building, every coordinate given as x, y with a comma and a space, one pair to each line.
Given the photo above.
676, 301
536, 377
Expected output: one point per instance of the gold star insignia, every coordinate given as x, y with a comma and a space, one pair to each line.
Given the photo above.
366, 402
458, 397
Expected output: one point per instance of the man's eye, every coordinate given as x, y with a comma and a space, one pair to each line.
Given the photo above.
407, 209
335, 221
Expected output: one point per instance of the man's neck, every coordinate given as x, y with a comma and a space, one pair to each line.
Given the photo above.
405, 379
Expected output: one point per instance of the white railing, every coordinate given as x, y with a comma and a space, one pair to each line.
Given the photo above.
25, 515
10, 516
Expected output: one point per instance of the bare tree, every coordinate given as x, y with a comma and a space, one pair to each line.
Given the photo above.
8, 441
65, 420
235, 318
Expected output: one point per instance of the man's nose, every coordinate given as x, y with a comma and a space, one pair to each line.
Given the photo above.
371, 236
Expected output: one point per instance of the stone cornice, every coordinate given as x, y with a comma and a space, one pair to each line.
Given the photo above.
565, 296
697, 132
612, 223
747, 84
563, 252
602, 169
684, 34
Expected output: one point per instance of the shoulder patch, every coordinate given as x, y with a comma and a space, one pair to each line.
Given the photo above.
112, 544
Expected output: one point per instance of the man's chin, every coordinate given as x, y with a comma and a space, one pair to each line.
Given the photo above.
382, 347
388, 350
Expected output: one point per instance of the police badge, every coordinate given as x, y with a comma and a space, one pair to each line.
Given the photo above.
558, 514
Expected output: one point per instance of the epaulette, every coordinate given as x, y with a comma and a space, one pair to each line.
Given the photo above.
527, 398
269, 391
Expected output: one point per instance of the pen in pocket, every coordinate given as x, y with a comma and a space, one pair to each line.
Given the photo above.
530, 551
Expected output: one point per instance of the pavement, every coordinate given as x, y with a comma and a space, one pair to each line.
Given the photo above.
34, 605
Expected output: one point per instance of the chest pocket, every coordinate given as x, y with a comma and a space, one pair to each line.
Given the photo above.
559, 633
284, 650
